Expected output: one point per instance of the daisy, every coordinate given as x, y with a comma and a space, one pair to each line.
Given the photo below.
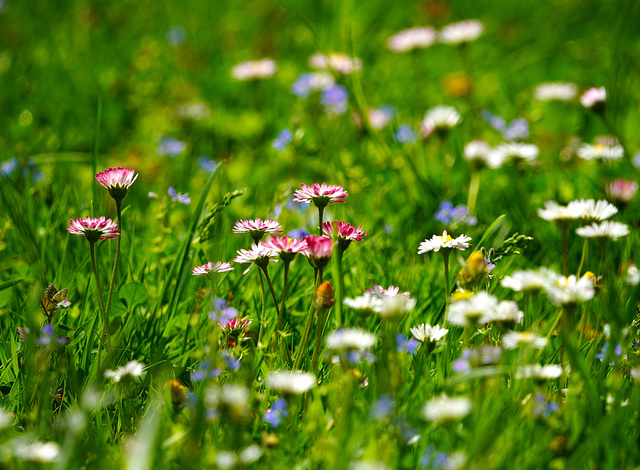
536, 371
530, 281
444, 242
571, 290
256, 228
622, 191
515, 152
479, 154
379, 291
320, 195
394, 307
259, 255
290, 382
117, 181
508, 314
235, 325
94, 229
343, 231
513, 340
477, 309
412, 38
590, 210
132, 369
428, 333
558, 91
461, 32
336, 61
254, 70
610, 230
380, 118
308, 83
600, 152
594, 99
564, 215
287, 247
350, 338
37, 451
218, 267
440, 119
444, 409
365, 304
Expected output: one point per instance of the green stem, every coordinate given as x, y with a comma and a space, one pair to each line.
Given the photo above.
263, 320
104, 337
474, 188
320, 218
285, 284
339, 285
585, 249
306, 331
447, 287
612, 130
565, 251
322, 319
273, 294
117, 257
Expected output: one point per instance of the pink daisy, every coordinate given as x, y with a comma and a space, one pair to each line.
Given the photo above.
259, 255
256, 228
235, 324
343, 231
218, 267
594, 99
319, 247
380, 291
287, 247
320, 195
117, 181
94, 229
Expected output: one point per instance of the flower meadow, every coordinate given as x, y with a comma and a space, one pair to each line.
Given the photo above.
320, 236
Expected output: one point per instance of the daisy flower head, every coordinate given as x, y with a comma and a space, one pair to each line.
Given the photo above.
412, 38
320, 195
571, 291
515, 152
507, 314
234, 325
525, 339
622, 191
344, 232
379, 291
461, 32
536, 371
427, 333
555, 91
256, 228
439, 119
445, 409
290, 382
379, 118
210, 267
259, 255
600, 151
594, 99
336, 62
94, 229
479, 155
308, 83
590, 210
477, 309
394, 307
562, 215
320, 249
445, 243
131, 369
365, 305
605, 230
350, 339
254, 70
287, 247
117, 181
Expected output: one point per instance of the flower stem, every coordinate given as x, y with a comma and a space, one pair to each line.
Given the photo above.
447, 286
104, 337
585, 249
273, 294
285, 284
337, 266
565, 250
263, 320
320, 218
322, 319
117, 257
474, 188
306, 331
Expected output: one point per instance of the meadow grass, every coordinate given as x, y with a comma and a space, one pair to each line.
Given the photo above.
168, 382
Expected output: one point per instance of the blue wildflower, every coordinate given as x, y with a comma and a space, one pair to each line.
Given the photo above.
382, 407
179, 197
406, 345
231, 362
283, 140
6, 168
220, 312
171, 147
334, 99
433, 459
298, 232
278, 410
207, 165
176, 35
405, 134
204, 371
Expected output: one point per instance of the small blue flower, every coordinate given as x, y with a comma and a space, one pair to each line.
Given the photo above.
278, 410
207, 165
6, 168
302, 87
406, 135
334, 99
444, 212
231, 362
636, 160
406, 345
603, 352
204, 371
171, 147
179, 197
283, 140
176, 35
433, 460
517, 130
382, 407
48, 336
220, 312
543, 407
297, 233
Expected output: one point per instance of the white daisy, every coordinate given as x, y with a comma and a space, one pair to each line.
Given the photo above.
254, 70
594, 98
365, 304
444, 409
336, 61
508, 312
444, 242
515, 152
600, 152
562, 214
350, 338
530, 281
412, 38
290, 382
571, 290
426, 332
590, 210
477, 309
439, 119
394, 307
610, 230
558, 91
479, 154
513, 340
633, 275
131, 369
461, 32
536, 371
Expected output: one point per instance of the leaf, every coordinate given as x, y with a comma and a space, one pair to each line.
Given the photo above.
133, 293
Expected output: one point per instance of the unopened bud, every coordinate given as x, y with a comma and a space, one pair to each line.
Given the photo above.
324, 296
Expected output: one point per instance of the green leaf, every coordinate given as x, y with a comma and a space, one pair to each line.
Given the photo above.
133, 293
